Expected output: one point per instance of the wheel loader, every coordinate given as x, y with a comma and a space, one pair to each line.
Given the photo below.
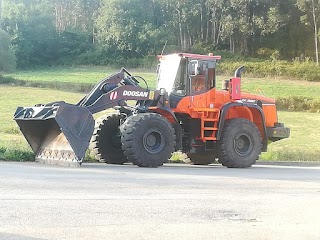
185, 112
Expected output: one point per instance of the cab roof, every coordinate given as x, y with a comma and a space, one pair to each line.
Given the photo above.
193, 56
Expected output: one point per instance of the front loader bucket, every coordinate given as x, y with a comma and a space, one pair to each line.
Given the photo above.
58, 134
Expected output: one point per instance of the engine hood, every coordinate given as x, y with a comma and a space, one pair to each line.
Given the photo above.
246, 97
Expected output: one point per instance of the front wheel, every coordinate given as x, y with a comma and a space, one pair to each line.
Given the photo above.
240, 143
148, 139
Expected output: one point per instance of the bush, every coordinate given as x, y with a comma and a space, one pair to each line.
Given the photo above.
7, 58
90, 156
298, 104
100, 56
306, 71
16, 155
290, 155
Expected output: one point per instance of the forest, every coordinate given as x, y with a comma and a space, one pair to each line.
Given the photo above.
101, 32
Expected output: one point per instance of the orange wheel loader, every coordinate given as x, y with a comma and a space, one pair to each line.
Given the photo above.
186, 112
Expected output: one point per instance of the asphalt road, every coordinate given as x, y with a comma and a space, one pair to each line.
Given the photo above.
99, 201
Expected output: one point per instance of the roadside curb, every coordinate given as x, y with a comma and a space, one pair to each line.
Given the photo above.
271, 163
261, 163
288, 163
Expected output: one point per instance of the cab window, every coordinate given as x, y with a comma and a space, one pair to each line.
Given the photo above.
179, 87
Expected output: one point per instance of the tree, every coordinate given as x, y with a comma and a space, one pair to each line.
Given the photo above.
0, 14
75, 14
311, 8
7, 58
48, 32
124, 27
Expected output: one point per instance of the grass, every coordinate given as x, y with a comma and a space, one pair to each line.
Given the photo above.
306, 71
10, 99
301, 146
87, 76
304, 142
78, 75
291, 95
279, 87
57, 74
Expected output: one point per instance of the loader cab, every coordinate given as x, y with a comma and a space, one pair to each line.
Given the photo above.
186, 74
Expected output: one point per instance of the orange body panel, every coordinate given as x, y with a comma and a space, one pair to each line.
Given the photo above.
207, 107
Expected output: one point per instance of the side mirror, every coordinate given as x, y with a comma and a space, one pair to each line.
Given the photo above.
162, 91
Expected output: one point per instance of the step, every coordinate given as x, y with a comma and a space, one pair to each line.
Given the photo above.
209, 119
210, 138
210, 128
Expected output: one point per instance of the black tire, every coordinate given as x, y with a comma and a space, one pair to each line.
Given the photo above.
106, 141
202, 157
148, 139
240, 143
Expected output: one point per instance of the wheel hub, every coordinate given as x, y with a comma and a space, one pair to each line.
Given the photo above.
153, 141
243, 144
240, 143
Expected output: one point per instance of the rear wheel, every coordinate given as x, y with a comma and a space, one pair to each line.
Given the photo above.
148, 139
106, 141
240, 143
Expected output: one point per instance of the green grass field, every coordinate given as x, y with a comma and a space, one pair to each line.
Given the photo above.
271, 87
11, 98
303, 144
85, 74
280, 88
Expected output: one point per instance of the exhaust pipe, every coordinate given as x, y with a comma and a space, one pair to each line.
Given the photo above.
58, 134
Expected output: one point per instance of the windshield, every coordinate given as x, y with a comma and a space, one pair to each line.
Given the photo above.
168, 69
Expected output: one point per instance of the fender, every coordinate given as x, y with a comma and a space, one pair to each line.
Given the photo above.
224, 111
